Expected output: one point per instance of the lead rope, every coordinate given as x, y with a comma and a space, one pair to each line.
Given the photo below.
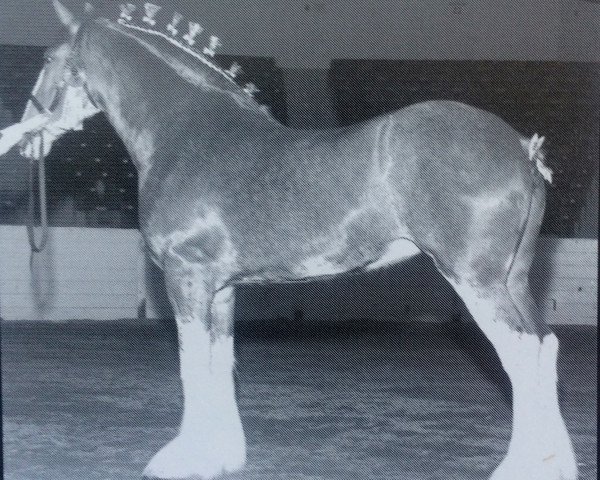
40, 160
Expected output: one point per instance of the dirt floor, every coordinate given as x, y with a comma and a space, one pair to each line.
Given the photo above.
404, 402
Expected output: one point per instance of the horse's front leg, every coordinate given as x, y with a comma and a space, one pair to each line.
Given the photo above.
210, 440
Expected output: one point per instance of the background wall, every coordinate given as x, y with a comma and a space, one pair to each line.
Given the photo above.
82, 273
310, 33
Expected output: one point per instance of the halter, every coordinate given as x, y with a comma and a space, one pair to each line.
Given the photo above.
60, 91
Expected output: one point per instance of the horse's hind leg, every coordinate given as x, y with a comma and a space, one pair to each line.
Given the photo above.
210, 440
540, 448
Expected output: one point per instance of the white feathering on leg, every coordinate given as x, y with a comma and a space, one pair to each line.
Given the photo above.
540, 447
211, 438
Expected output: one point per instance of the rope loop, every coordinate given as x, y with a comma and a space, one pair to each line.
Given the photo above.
41, 173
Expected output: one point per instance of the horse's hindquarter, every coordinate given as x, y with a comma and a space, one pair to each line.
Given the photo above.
463, 181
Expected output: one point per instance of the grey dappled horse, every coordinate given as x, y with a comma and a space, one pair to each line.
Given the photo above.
228, 195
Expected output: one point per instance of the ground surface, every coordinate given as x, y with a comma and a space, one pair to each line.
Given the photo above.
408, 403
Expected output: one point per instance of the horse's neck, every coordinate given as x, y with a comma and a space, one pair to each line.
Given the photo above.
146, 127
146, 102
138, 140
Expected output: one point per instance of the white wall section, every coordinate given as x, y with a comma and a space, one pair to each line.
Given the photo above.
83, 273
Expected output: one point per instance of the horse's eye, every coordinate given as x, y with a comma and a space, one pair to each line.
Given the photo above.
48, 59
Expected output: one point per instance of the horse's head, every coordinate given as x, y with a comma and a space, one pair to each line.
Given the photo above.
60, 91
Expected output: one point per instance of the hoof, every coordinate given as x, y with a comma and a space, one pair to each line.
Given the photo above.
185, 457
551, 467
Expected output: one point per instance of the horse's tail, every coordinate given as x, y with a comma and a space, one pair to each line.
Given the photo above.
533, 147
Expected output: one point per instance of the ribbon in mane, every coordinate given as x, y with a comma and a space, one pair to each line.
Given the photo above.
194, 29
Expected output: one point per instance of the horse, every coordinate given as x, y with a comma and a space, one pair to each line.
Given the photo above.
229, 195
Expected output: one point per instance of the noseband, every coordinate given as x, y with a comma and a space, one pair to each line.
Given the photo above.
60, 91
40, 108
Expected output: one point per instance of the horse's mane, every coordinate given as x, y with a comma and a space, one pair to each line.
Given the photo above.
187, 63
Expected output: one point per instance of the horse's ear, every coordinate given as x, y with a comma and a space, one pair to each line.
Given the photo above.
66, 17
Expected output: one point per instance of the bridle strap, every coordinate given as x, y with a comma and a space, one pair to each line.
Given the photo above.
58, 95
37, 104
89, 94
56, 100
41, 176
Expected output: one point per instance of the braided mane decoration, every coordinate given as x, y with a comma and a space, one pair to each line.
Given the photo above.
150, 10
